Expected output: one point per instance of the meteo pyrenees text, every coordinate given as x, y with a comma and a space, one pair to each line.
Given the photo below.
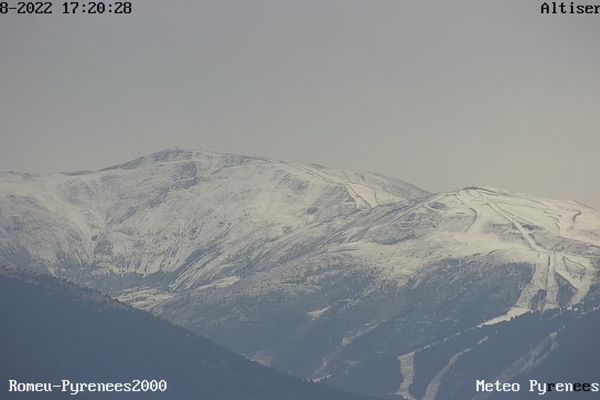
555, 7
540, 388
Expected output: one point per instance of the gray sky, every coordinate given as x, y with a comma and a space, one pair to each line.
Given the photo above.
443, 94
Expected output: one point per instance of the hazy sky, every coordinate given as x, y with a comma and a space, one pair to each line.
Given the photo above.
443, 94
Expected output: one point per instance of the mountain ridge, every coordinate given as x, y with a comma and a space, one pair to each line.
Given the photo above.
330, 275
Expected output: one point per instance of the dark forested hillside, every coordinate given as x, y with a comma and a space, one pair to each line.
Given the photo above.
53, 330
557, 346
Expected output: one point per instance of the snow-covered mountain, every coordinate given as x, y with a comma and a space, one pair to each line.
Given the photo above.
331, 275
151, 214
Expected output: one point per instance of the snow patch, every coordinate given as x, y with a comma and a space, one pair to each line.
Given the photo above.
318, 313
221, 283
407, 369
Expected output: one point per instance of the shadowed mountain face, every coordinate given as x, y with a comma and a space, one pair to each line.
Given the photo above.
556, 346
329, 275
55, 330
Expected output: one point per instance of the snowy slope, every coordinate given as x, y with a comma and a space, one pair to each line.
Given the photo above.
152, 213
327, 274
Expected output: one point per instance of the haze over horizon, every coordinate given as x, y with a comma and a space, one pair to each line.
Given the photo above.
440, 94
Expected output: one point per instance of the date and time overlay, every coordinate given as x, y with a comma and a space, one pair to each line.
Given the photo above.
68, 7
